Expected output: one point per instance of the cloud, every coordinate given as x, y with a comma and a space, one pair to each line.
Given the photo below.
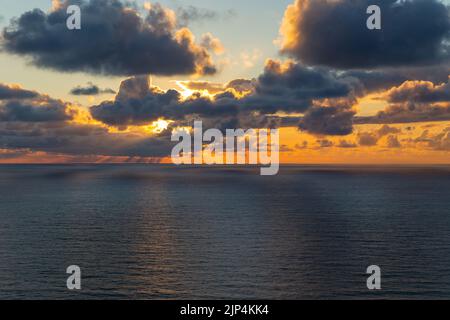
81, 139
328, 120
115, 39
240, 86
288, 88
90, 90
383, 79
210, 43
15, 92
17, 104
325, 143
40, 123
292, 87
404, 113
392, 142
249, 59
334, 33
136, 104
190, 14
439, 141
39, 110
420, 92
385, 130
346, 144
12, 154
368, 139
414, 101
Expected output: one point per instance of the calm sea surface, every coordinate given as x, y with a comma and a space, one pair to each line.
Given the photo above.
160, 232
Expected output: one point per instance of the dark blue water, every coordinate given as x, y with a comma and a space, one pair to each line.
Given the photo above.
159, 232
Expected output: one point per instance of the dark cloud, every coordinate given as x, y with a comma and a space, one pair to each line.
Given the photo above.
419, 92
414, 101
41, 123
114, 40
51, 110
17, 104
334, 33
15, 92
90, 90
136, 103
328, 120
408, 113
291, 86
288, 88
380, 80
81, 139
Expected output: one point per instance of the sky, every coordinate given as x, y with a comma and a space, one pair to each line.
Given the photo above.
113, 91
244, 32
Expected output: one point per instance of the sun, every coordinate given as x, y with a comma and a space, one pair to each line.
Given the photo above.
159, 125
185, 91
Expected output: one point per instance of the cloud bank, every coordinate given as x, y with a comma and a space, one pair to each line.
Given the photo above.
114, 40
334, 33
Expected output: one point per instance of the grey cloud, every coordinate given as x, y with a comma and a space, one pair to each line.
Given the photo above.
136, 103
419, 92
369, 81
41, 123
407, 113
114, 40
288, 88
11, 92
334, 33
328, 120
189, 14
29, 106
90, 90
79, 139
414, 101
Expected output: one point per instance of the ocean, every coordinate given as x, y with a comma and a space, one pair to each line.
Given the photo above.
165, 232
